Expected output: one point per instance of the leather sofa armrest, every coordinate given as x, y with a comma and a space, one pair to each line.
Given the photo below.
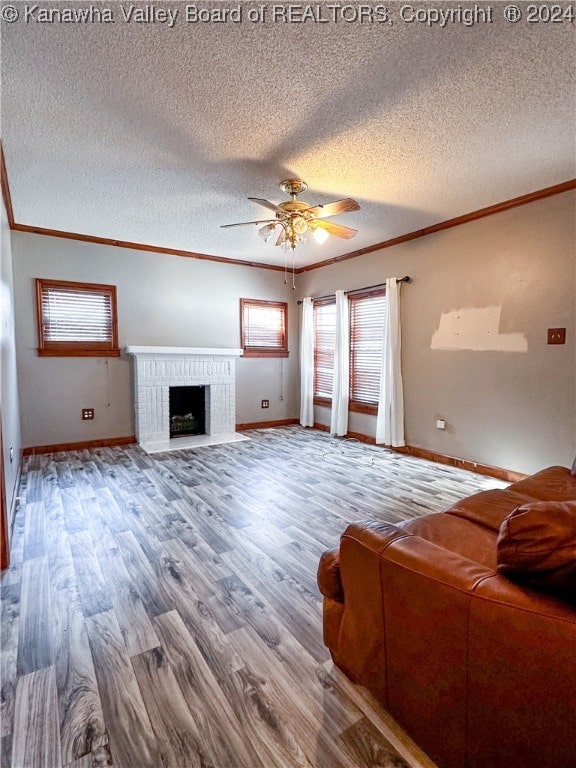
426, 592
373, 535
329, 578
397, 586
370, 534
354, 634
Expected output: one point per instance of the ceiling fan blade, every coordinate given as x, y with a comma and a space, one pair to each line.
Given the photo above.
281, 236
244, 223
333, 209
267, 204
336, 229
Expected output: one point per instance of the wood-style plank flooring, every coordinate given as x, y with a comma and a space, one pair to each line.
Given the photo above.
162, 611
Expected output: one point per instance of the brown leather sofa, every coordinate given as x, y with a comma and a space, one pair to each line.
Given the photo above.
463, 624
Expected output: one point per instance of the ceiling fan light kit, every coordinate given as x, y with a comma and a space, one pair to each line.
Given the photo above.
320, 235
267, 231
295, 218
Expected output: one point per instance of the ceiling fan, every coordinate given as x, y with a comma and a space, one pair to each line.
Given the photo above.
295, 217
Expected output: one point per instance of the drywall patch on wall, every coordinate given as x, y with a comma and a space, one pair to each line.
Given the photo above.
478, 329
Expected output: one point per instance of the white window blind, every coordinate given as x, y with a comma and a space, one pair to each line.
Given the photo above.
367, 314
324, 333
264, 326
76, 319
76, 315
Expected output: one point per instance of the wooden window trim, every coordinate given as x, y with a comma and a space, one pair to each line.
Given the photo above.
253, 351
48, 348
265, 353
354, 405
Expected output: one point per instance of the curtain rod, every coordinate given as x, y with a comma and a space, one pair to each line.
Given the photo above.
405, 279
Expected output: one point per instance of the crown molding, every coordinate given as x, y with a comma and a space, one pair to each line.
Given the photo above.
557, 189
515, 202
139, 246
109, 241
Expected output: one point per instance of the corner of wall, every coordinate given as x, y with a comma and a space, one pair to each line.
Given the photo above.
11, 434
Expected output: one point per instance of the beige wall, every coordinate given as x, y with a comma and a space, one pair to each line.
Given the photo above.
8, 377
162, 300
501, 281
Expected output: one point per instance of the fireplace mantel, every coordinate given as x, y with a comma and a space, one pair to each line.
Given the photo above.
186, 351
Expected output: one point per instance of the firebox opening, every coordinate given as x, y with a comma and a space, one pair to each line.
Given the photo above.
187, 411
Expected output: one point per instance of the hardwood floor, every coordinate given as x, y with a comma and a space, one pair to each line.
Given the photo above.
162, 611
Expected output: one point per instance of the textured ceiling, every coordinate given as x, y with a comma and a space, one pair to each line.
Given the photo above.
141, 132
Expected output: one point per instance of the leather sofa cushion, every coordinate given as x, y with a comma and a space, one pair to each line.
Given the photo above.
537, 545
552, 484
488, 508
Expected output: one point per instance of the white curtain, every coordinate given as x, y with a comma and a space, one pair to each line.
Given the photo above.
341, 382
307, 365
390, 421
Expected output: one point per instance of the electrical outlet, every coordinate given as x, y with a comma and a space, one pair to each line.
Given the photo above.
440, 424
265, 403
556, 335
87, 414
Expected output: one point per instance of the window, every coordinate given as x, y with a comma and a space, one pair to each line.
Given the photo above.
264, 328
76, 319
324, 333
367, 313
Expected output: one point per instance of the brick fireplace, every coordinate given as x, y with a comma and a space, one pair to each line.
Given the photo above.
157, 369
